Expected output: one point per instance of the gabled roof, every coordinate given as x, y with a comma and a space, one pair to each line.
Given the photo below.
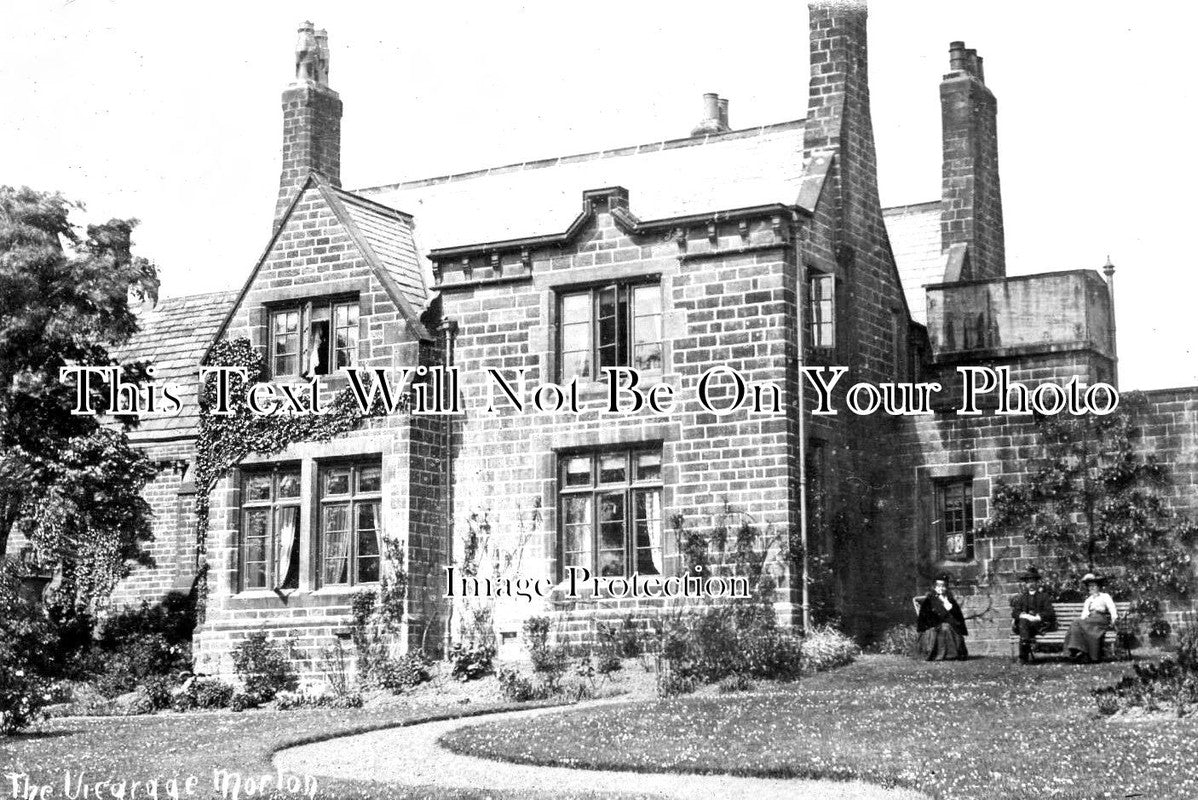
369, 225
697, 175
915, 239
387, 237
174, 337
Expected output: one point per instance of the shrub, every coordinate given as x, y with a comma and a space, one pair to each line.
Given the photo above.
263, 667
607, 663
672, 682
405, 672
737, 682
173, 619
715, 646
516, 688
212, 693
317, 697
471, 662
628, 640
142, 704
183, 701
26, 653
536, 633
825, 648
159, 688
897, 640
243, 701
1152, 687
1187, 644
774, 655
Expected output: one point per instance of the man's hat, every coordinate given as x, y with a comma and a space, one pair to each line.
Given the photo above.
1090, 577
1030, 574
944, 576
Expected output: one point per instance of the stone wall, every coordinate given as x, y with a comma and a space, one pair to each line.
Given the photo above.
312, 257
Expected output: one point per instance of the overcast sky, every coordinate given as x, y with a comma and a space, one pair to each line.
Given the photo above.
170, 113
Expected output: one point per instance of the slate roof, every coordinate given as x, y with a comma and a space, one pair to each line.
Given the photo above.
697, 175
174, 337
388, 234
915, 239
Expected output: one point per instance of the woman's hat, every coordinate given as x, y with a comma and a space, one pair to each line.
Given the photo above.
944, 576
1090, 577
1030, 574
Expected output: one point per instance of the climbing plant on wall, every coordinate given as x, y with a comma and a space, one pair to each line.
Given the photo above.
1092, 501
226, 440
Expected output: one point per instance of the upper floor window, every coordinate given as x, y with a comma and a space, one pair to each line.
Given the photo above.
316, 338
270, 503
821, 310
618, 325
350, 538
954, 519
611, 517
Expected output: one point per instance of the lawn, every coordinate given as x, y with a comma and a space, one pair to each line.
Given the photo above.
982, 729
178, 745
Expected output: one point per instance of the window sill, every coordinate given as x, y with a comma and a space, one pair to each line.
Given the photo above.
341, 589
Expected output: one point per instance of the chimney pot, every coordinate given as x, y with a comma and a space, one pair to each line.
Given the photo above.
715, 116
956, 57
311, 119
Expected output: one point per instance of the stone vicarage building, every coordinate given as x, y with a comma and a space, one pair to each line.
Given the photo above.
723, 247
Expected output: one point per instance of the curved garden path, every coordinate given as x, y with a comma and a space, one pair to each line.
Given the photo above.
411, 756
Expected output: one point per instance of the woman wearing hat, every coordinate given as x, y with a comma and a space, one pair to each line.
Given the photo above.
1084, 639
941, 625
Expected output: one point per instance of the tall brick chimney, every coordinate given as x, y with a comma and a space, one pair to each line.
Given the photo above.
838, 115
971, 207
311, 119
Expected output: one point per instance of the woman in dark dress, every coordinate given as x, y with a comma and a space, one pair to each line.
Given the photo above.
941, 625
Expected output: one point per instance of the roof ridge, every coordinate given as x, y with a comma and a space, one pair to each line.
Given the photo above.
665, 144
925, 206
357, 199
169, 298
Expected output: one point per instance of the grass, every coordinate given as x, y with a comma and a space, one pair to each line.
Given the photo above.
980, 729
176, 746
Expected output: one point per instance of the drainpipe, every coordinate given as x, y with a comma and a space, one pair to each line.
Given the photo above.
801, 269
1109, 271
448, 329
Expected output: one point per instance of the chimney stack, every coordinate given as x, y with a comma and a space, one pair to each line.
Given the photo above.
715, 116
971, 206
311, 119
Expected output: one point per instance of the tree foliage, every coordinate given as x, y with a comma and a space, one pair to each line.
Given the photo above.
67, 483
1092, 502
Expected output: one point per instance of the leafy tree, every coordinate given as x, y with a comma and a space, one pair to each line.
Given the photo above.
1091, 502
69, 484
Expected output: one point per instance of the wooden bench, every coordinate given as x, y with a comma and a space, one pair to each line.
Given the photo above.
1066, 614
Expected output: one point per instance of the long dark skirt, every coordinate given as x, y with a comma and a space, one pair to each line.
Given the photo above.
942, 643
1085, 636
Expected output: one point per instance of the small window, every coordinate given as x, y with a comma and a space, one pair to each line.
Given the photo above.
619, 325
270, 529
350, 524
821, 310
954, 519
611, 515
317, 338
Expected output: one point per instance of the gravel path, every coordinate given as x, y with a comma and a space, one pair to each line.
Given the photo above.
411, 756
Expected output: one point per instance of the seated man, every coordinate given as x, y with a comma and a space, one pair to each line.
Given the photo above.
1031, 613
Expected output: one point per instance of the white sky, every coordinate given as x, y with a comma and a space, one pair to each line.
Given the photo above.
170, 113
